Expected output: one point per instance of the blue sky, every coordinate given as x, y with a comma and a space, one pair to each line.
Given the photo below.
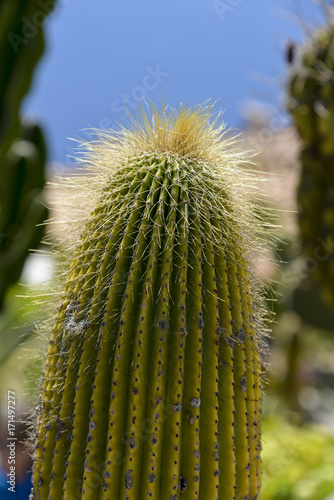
103, 58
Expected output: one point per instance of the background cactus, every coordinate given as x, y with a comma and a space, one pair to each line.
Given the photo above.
22, 177
152, 382
22, 164
311, 103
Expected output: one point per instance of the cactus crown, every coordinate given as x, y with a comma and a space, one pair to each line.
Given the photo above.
196, 134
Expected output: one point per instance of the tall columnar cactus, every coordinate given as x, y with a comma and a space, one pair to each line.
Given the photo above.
21, 46
24, 210
21, 165
311, 103
152, 382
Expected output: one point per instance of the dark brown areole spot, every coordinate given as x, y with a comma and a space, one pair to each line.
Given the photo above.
177, 407
190, 417
243, 383
200, 322
241, 335
128, 479
163, 324
182, 484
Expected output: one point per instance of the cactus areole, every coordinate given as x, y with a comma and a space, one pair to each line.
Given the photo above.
152, 381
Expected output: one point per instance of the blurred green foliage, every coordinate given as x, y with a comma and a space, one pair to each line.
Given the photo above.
298, 462
16, 322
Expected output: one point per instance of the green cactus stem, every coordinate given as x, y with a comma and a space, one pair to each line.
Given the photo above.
311, 104
24, 211
21, 166
153, 378
21, 46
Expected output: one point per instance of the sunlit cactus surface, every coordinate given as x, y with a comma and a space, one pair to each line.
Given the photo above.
152, 384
